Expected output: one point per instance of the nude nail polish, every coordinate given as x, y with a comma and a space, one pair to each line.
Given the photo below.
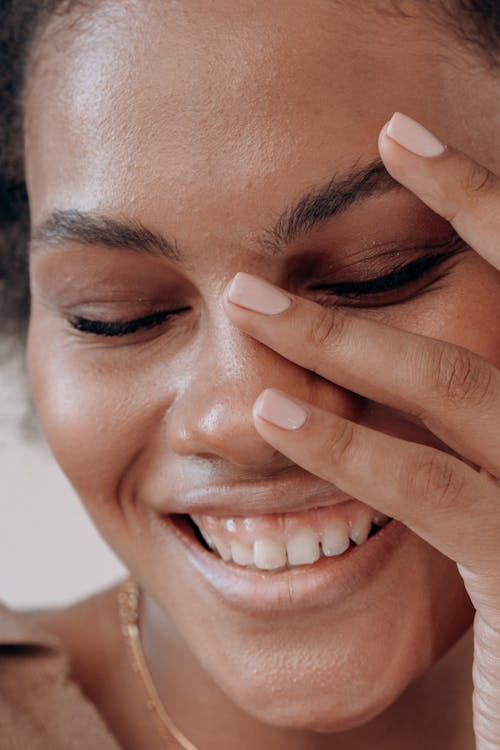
413, 136
275, 407
258, 295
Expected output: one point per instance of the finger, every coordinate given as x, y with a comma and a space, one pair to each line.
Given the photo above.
439, 497
453, 185
455, 393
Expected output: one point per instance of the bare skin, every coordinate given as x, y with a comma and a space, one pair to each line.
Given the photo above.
205, 125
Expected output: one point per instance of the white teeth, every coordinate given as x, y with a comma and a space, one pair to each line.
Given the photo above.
360, 528
335, 539
241, 553
268, 554
222, 548
303, 548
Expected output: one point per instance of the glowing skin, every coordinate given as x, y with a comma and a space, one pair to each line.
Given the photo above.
205, 124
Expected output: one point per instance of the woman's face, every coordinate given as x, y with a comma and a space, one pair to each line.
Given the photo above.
204, 123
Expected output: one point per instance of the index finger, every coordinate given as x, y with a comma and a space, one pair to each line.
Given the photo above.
462, 191
453, 391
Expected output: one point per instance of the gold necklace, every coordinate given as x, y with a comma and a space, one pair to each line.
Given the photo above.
128, 605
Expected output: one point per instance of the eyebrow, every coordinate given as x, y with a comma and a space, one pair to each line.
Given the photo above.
92, 228
313, 209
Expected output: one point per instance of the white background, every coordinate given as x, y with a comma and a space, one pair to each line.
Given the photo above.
50, 553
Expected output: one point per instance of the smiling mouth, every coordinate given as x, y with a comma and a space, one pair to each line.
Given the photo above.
276, 542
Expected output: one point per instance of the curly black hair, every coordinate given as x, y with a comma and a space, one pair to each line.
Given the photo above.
476, 21
19, 22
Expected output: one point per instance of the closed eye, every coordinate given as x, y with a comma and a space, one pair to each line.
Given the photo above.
354, 290
123, 328
394, 280
399, 278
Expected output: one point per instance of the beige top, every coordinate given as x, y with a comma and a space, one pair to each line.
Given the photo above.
41, 708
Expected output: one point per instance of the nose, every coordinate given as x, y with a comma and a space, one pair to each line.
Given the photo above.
211, 417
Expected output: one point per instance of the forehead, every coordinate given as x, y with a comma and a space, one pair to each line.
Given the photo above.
157, 107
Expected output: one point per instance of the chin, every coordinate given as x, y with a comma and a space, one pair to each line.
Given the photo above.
334, 678
347, 693
328, 715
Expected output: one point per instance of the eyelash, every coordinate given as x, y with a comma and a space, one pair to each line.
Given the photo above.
124, 328
397, 279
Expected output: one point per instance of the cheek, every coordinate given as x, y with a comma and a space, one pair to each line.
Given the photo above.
465, 312
96, 417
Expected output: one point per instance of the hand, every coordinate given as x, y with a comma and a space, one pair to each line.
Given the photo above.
441, 384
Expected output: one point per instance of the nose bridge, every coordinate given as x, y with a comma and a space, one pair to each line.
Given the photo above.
240, 362
212, 414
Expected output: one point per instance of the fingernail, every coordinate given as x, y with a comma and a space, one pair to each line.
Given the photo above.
257, 295
275, 407
413, 136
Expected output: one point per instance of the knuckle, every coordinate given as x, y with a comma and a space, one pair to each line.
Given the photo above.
461, 376
326, 327
435, 481
477, 180
340, 443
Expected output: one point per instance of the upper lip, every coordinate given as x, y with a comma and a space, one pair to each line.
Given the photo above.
251, 499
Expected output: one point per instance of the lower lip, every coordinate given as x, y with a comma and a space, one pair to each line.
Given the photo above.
327, 582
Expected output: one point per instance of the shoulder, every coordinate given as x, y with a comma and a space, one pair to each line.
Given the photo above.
41, 698
87, 630
28, 653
